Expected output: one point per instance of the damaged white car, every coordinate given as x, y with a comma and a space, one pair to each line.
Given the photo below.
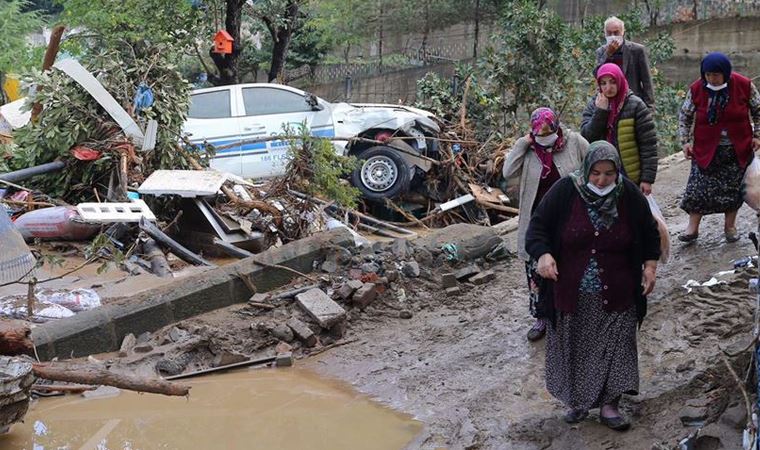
233, 114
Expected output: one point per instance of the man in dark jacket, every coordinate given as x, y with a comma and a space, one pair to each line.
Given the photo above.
630, 56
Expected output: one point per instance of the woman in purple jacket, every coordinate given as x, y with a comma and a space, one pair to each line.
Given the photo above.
597, 246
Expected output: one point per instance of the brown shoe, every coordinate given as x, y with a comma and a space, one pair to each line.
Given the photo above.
616, 423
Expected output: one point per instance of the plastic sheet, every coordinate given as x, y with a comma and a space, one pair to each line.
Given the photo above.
751, 184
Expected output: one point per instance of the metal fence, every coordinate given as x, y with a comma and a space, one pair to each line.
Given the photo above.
677, 11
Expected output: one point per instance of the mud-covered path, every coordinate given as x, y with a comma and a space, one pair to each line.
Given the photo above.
463, 366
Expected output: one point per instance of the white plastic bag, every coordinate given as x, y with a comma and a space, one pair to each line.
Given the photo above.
751, 184
76, 300
661, 227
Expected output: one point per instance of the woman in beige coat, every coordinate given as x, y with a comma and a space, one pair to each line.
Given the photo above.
539, 159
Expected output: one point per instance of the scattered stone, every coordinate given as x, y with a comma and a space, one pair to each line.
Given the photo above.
175, 365
127, 344
177, 334
259, 298
483, 277
355, 274
102, 392
340, 255
321, 307
683, 367
423, 257
365, 295
143, 348
367, 249
302, 332
400, 248
347, 289
391, 275
710, 438
145, 337
735, 416
283, 360
338, 330
282, 332
471, 241
411, 269
448, 280
226, 357
453, 291
283, 347
370, 267
465, 273
327, 340
377, 247
692, 415
401, 295
405, 314
329, 266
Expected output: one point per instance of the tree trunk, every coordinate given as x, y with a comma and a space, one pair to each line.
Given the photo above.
227, 64
282, 36
15, 338
477, 29
90, 374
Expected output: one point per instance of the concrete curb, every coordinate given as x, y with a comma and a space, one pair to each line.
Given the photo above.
102, 329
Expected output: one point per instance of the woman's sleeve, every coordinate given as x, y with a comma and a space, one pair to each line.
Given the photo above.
538, 239
582, 147
646, 139
686, 119
513, 165
754, 109
650, 235
594, 122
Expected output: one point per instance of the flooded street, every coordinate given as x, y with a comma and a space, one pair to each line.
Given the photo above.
249, 409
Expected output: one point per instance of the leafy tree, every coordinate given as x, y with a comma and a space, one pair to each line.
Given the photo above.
16, 52
283, 19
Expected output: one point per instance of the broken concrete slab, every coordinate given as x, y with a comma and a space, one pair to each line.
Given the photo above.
321, 307
448, 280
465, 273
143, 348
127, 344
185, 183
365, 295
471, 241
302, 332
102, 329
283, 360
282, 332
115, 212
226, 358
347, 289
483, 277
453, 291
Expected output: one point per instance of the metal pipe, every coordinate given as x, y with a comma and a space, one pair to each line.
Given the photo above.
23, 174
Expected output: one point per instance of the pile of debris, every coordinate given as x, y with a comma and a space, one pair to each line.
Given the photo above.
393, 279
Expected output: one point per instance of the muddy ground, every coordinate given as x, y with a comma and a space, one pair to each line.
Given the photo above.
462, 365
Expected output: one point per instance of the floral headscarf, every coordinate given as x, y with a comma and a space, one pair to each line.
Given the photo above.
604, 206
540, 117
616, 103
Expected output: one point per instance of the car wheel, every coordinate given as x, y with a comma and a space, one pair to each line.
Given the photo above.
382, 173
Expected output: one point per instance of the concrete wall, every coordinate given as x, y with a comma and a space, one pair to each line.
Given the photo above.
739, 38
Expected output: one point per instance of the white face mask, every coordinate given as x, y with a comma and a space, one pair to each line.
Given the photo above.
611, 39
600, 191
546, 141
716, 88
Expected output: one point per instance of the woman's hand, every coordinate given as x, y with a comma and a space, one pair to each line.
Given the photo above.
755, 144
602, 102
547, 267
649, 276
687, 151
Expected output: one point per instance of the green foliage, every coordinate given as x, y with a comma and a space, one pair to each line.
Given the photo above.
316, 169
17, 54
71, 117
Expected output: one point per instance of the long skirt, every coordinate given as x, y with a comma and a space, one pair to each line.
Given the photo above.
591, 355
716, 189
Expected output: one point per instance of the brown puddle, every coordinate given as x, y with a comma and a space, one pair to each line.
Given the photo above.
252, 409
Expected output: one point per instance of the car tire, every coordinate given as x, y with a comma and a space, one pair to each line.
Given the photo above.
382, 173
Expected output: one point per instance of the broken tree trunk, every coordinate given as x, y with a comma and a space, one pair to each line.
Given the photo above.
15, 338
81, 374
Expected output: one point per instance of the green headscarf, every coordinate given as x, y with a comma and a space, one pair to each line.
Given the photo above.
605, 206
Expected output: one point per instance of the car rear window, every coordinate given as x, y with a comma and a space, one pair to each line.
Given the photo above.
210, 105
260, 101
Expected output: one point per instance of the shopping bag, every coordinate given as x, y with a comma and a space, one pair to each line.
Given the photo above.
662, 228
751, 184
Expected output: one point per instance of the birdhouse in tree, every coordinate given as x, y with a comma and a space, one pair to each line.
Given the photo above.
223, 42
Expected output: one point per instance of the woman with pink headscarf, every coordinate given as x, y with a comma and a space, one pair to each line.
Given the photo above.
621, 118
537, 160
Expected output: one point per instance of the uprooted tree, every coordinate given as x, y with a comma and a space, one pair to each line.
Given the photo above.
71, 119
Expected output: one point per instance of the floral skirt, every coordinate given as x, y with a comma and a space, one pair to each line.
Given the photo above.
716, 189
537, 309
591, 354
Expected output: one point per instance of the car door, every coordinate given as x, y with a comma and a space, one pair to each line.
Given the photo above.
271, 107
210, 118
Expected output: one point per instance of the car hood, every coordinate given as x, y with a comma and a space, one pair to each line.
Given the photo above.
363, 116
